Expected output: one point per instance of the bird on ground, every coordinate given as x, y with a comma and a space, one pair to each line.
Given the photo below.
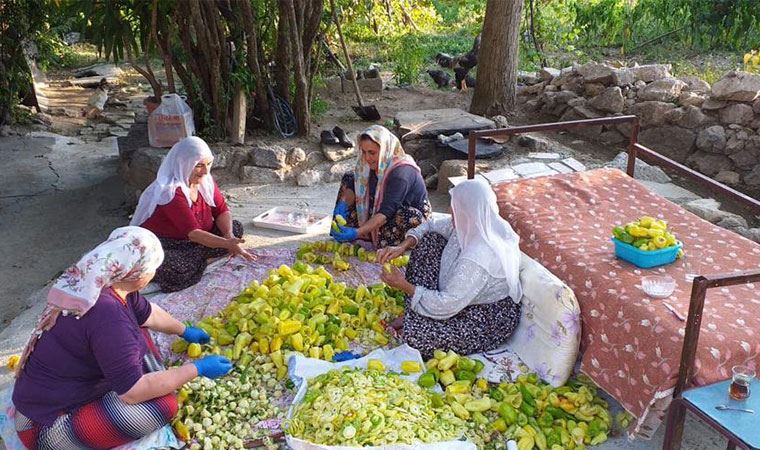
445, 60
441, 78
463, 79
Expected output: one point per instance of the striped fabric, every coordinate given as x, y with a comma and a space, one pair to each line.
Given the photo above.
103, 424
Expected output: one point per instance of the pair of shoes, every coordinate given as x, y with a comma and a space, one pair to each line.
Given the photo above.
336, 137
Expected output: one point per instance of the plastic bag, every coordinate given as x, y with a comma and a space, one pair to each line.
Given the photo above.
170, 122
301, 369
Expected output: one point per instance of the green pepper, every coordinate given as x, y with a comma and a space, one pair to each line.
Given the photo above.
465, 364
436, 400
522, 419
232, 329
462, 374
426, 380
558, 413
553, 438
545, 420
527, 408
479, 365
496, 394
351, 309
508, 413
527, 397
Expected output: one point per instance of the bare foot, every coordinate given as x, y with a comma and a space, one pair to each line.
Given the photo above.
398, 323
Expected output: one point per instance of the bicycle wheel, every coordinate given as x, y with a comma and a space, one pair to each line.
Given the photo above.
284, 119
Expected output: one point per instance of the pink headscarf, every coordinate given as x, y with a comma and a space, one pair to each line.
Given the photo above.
129, 253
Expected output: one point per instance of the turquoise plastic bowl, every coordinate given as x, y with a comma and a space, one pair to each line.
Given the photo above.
646, 259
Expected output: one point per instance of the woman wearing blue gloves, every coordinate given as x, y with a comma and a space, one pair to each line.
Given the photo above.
385, 195
90, 376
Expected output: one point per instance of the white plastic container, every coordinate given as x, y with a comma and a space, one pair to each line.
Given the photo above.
170, 122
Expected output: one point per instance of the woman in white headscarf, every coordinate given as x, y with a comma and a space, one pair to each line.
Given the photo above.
385, 195
187, 212
463, 278
90, 376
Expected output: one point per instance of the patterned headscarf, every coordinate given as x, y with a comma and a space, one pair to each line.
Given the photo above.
174, 172
391, 156
130, 253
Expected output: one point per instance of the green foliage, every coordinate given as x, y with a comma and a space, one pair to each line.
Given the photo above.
409, 57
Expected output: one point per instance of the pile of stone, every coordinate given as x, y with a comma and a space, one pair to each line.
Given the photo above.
711, 128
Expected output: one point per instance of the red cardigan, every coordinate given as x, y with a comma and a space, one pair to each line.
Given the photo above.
175, 220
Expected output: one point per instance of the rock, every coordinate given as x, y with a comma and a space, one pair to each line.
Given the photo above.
551, 88
612, 137
500, 121
755, 124
431, 182
577, 113
690, 99
528, 78
641, 171
671, 141
610, 100
738, 86
712, 104
142, 168
639, 85
706, 208
428, 167
272, 157
728, 177
260, 175
555, 103
712, 139
756, 106
533, 89
548, 73
738, 113
733, 222
734, 145
753, 144
651, 72
695, 84
337, 153
578, 101
297, 156
664, 90
686, 117
752, 178
595, 73
709, 164
592, 89
455, 168
5, 131
623, 77
753, 234
309, 178
652, 113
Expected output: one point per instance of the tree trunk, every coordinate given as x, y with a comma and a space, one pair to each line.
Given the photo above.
301, 106
282, 58
250, 24
163, 47
497, 62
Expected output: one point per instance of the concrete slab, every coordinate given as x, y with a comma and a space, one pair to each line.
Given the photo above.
574, 164
561, 168
544, 173
670, 191
429, 123
528, 169
497, 176
543, 155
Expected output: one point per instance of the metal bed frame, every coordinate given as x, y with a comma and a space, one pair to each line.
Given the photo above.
700, 283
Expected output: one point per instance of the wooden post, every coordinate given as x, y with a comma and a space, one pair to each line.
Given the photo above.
239, 110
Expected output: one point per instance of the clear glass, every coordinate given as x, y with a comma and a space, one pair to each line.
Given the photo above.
742, 378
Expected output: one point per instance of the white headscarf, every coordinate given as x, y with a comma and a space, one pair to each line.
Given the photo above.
484, 236
130, 253
174, 172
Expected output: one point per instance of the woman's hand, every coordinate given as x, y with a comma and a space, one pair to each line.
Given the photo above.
233, 246
195, 335
388, 253
397, 280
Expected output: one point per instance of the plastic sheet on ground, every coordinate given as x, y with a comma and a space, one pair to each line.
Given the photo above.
301, 369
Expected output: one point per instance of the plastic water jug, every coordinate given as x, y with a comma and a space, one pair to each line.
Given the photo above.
170, 122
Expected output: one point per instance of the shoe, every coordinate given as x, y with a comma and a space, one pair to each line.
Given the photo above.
342, 138
328, 138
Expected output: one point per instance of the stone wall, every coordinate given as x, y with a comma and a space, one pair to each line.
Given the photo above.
714, 129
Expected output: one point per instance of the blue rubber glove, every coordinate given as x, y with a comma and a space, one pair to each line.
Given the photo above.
347, 234
345, 356
341, 209
213, 366
196, 335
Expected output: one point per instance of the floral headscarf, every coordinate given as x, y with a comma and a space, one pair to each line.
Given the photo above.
129, 253
174, 172
391, 156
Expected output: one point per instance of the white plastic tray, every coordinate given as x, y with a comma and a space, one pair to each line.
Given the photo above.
277, 219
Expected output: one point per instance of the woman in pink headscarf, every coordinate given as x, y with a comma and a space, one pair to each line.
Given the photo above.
90, 376
385, 196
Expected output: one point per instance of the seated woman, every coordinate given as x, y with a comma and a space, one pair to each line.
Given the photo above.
90, 377
462, 283
385, 196
187, 212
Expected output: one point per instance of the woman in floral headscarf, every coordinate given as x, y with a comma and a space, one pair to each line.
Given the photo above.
385, 196
89, 376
